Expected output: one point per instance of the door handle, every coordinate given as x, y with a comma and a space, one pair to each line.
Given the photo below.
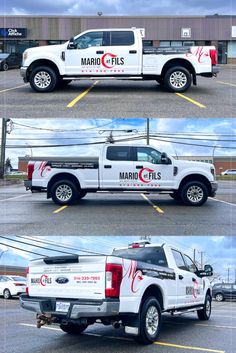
181, 277
107, 166
139, 166
133, 51
100, 52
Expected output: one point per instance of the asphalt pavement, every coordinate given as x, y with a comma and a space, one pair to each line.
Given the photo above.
24, 213
212, 97
180, 334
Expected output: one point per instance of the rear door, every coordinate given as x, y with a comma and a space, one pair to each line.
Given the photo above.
81, 277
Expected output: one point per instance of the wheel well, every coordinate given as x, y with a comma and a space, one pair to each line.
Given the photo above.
196, 177
43, 62
61, 176
209, 293
178, 62
153, 291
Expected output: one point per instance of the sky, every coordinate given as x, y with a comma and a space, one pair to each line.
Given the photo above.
117, 7
27, 133
219, 251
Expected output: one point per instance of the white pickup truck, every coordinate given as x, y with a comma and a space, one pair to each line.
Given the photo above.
119, 54
132, 288
121, 168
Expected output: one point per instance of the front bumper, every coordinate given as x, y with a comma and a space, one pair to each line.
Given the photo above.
214, 187
78, 308
23, 73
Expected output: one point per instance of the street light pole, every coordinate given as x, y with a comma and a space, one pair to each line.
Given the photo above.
3, 147
148, 130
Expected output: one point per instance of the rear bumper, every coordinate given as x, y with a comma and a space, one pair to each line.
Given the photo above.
215, 70
28, 185
77, 309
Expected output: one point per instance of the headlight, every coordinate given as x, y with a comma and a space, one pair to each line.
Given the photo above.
25, 55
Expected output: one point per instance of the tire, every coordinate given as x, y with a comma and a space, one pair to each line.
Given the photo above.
82, 194
194, 193
219, 297
7, 294
160, 81
64, 192
5, 67
205, 313
149, 322
177, 79
175, 196
73, 329
43, 79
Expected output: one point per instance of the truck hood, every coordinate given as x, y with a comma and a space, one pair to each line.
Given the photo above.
202, 165
46, 48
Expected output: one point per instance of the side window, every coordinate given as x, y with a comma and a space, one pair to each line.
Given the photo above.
91, 39
234, 286
179, 260
147, 154
118, 153
122, 38
227, 286
190, 264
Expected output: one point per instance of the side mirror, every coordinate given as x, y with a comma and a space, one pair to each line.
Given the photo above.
164, 158
71, 44
207, 272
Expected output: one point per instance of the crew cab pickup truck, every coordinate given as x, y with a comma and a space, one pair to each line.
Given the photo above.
132, 288
119, 54
121, 168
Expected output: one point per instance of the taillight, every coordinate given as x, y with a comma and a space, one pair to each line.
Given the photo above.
27, 275
30, 170
113, 280
213, 56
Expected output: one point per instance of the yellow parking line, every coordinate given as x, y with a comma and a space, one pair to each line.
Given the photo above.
226, 83
60, 209
10, 89
72, 103
190, 100
156, 208
189, 347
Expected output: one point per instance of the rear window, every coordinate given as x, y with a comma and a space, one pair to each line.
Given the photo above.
122, 38
150, 255
118, 153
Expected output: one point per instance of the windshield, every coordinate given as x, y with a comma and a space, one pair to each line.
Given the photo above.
151, 255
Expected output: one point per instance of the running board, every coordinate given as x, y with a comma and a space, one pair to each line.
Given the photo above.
103, 78
180, 312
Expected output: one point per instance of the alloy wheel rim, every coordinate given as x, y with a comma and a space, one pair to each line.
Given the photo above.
152, 320
218, 297
64, 192
178, 79
208, 308
42, 79
195, 193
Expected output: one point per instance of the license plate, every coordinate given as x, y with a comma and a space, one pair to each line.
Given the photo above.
62, 306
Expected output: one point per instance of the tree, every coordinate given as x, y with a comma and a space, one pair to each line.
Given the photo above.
8, 165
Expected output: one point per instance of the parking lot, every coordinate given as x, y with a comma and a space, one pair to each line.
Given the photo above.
25, 213
214, 97
181, 334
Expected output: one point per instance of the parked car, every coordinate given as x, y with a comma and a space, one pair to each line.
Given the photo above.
10, 61
222, 291
12, 285
229, 172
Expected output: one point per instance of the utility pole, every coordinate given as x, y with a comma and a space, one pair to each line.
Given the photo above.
148, 131
194, 256
202, 252
228, 275
3, 146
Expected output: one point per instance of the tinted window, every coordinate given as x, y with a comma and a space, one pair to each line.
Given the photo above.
147, 154
153, 255
217, 286
91, 39
118, 153
190, 264
122, 38
227, 286
179, 260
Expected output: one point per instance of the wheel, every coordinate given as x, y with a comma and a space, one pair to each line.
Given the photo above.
7, 294
43, 79
64, 192
219, 297
160, 81
82, 194
150, 321
5, 67
177, 79
194, 193
73, 329
205, 313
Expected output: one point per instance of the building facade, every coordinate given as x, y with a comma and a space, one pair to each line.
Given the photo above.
20, 32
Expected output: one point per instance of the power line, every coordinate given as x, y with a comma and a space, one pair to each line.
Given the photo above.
61, 130
31, 252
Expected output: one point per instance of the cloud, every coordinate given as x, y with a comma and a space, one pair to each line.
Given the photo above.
118, 7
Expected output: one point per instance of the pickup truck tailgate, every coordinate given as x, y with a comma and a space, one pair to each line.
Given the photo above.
68, 277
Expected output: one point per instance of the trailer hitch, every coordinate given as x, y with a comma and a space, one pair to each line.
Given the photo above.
42, 320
